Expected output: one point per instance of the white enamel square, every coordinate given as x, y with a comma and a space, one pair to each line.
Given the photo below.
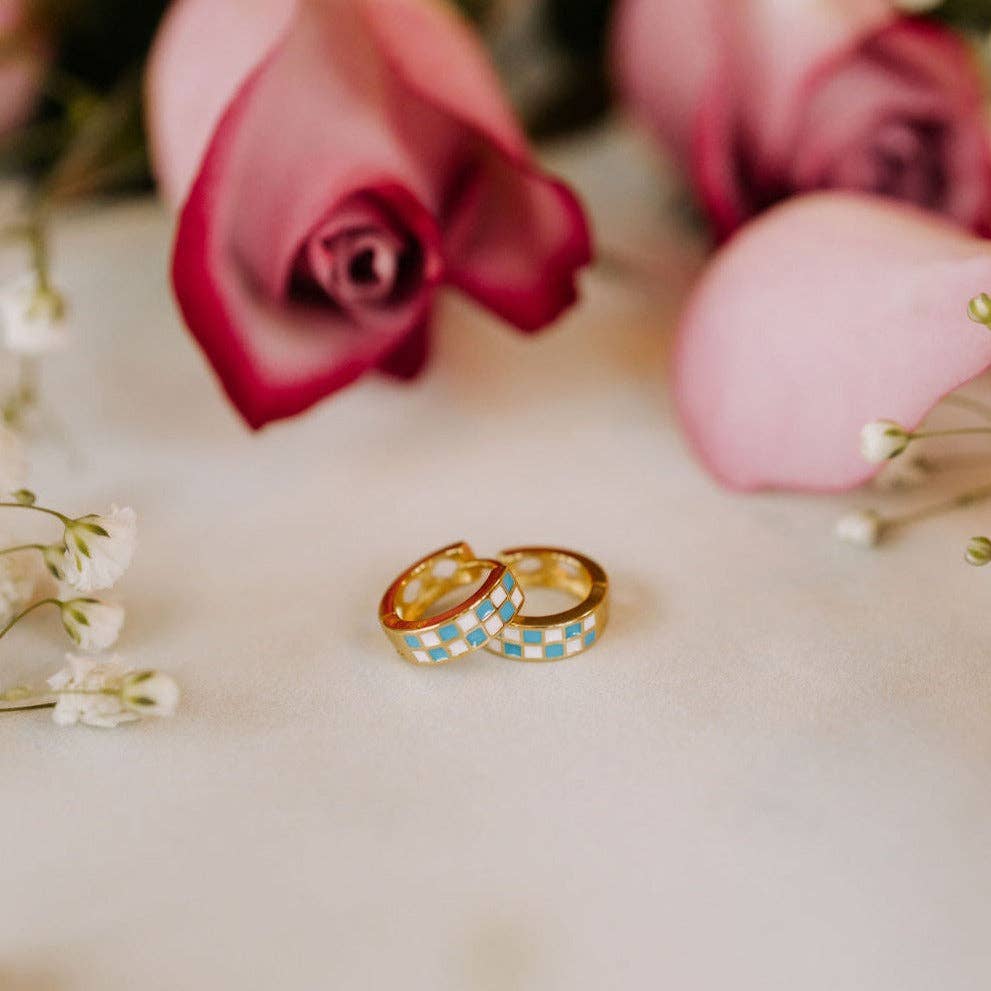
589, 623
574, 645
493, 624
458, 648
554, 636
498, 597
467, 622
512, 634
430, 640
517, 597
533, 652
422, 656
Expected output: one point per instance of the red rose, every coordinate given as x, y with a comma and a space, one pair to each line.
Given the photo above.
763, 99
338, 161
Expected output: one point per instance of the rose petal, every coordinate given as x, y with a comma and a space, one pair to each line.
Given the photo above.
407, 360
515, 242
775, 48
663, 56
191, 78
668, 56
514, 236
827, 312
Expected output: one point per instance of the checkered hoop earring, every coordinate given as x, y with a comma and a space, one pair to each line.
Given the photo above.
460, 630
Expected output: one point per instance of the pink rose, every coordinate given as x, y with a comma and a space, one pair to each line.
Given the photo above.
23, 63
337, 161
828, 312
762, 99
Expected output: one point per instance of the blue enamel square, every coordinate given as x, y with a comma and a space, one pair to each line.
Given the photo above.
512, 649
449, 633
476, 638
506, 611
439, 654
412, 641
507, 582
554, 650
589, 638
573, 631
485, 610
533, 636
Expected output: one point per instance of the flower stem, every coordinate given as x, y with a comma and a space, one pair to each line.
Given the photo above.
955, 432
969, 498
28, 705
26, 612
971, 405
22, 547
37, 509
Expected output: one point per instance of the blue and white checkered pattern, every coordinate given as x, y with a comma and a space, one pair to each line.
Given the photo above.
472, 629
526, 643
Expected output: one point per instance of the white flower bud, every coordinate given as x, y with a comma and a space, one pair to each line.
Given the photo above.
150, 693
98, 549
978, 552
979, 309
862, 528
883, 440
54, 558
92, 625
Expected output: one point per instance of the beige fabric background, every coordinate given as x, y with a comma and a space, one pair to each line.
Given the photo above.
771, 774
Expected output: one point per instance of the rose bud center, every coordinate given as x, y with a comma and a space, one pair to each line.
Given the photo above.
905, 160
358, 262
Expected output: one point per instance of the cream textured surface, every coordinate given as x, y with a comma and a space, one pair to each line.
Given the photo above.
772, 773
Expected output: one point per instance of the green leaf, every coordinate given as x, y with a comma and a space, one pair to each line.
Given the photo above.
94, 528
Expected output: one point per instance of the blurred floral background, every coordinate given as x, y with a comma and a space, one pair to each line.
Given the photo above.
71, 89
72, 80
376, 182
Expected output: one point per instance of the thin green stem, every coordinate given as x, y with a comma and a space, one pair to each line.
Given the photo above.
27, 612
21, 547
971, 405
965, 499
37, 509
27, 706
38, 244
955, 432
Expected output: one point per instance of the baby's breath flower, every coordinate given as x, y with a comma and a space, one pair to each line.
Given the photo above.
33, 317
88, 691
54, 558
92, 625
150, 693
862, 528
883, 440
978, 552
108, 693
98, 549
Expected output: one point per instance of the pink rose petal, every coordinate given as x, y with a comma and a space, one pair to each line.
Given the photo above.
204, 51
825, 313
